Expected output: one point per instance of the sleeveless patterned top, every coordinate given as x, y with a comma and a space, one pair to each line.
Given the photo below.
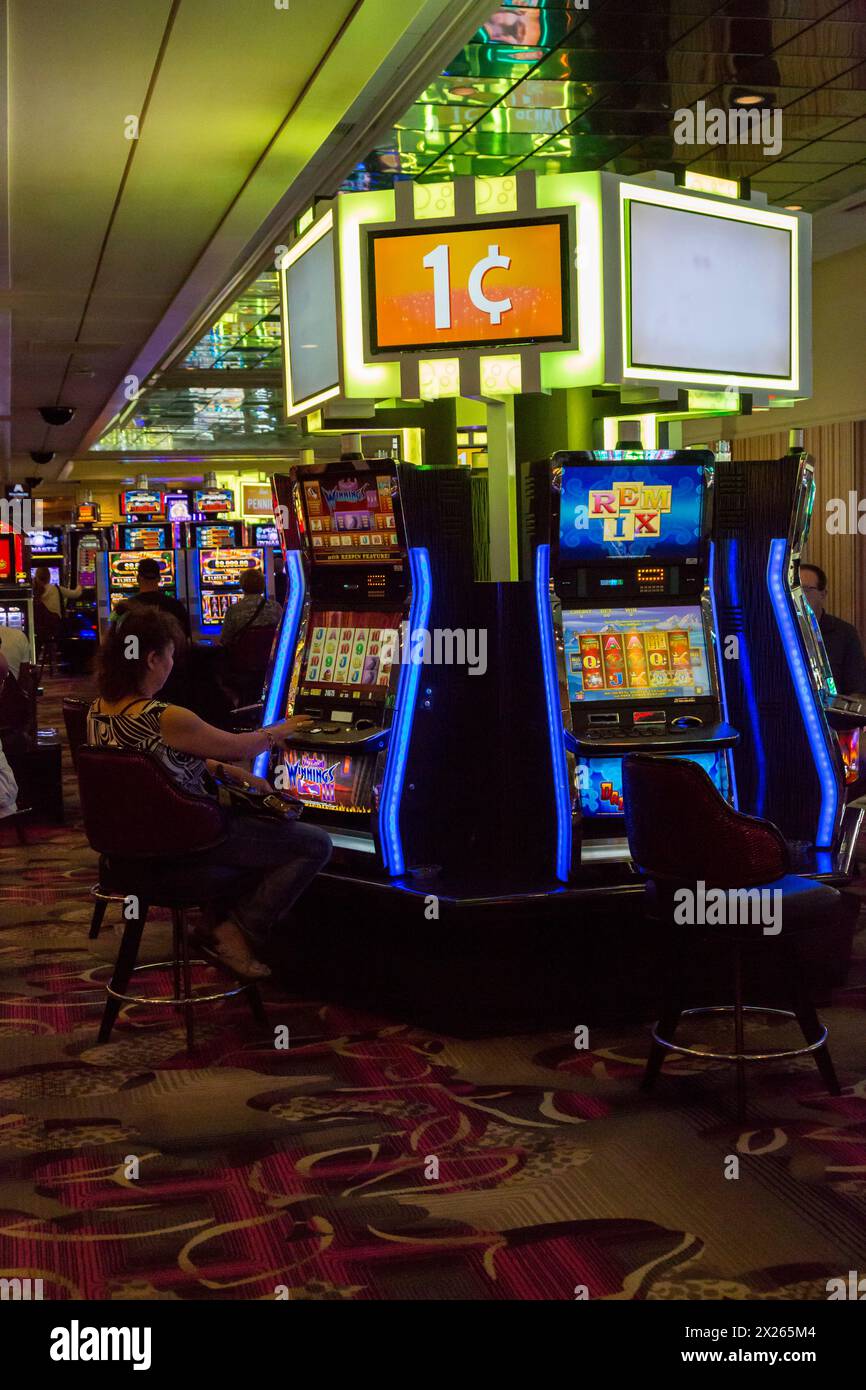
138, 728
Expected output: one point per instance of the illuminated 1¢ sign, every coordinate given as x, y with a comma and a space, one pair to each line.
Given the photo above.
469, 286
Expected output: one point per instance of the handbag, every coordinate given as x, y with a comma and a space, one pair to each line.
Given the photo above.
242, 799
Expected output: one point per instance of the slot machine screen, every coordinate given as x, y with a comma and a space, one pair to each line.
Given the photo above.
267, 535
218, 537
352, 520
123, 572
12, 615
53, 570
144, 538
600, 781
8, 567
349, 655
330, 781
635, 653
220, 574
88, 549
45, 542
630, 511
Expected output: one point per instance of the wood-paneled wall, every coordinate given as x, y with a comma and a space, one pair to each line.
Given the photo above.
839, 452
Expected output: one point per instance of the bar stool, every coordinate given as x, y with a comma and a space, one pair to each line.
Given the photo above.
682, 833
147, 832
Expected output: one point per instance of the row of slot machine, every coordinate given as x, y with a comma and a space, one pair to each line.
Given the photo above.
200, 565
660, 611
69, 553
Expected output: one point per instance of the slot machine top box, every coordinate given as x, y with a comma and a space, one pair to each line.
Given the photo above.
631, 524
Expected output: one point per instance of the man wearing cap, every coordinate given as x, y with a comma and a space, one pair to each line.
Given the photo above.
148, 591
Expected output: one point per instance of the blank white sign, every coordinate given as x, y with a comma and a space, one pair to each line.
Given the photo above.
709, 294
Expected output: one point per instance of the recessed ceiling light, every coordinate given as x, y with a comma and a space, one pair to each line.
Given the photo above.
748, 99
793, 207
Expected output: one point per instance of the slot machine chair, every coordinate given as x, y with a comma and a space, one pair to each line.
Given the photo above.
682, 831
147, 853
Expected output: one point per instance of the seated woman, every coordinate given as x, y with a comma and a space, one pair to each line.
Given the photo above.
135, 660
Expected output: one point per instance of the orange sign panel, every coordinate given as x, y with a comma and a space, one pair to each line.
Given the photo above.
469, 287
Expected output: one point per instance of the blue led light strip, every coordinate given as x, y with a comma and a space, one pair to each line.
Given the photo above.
727, 754
805, 695
748, 682
404, 714
556, 733
281, 675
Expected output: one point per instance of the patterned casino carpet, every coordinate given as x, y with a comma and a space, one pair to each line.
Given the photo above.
311, 1169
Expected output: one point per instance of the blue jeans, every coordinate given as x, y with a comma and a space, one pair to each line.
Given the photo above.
288, 855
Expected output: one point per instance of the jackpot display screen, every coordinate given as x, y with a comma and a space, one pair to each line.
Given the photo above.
220, 580
350, 654
220, 536
123, 572
352, 519
635, 653
145, 538
630, 511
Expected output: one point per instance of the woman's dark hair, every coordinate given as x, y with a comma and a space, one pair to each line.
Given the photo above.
41, 580
134, 633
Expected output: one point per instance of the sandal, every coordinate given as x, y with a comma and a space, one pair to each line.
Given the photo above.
238, 959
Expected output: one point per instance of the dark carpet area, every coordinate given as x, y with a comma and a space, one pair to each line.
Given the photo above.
379, 1160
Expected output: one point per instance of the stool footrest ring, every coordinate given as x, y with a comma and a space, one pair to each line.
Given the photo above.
774, 1055
171, 999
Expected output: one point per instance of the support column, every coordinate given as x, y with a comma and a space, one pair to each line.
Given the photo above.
502, 489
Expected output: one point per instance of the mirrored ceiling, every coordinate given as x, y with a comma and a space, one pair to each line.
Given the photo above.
556, 86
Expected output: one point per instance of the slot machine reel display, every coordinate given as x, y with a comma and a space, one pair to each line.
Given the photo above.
630, 561
215, 559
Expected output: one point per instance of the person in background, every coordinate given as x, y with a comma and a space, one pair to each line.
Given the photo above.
252, 610
281, 579
149, 592
51, 596
842, 641
285, 854
15, 648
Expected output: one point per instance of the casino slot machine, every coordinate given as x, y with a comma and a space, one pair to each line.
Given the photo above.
117, 568
800, 736
631, 624
84, 544
338, 657
16, 590
411, 762
215, 559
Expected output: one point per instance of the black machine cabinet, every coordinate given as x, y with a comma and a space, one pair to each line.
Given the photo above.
625, 538
778, 686
423, 765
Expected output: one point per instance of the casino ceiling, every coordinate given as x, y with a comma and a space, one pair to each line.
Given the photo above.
151, 153
557, 86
